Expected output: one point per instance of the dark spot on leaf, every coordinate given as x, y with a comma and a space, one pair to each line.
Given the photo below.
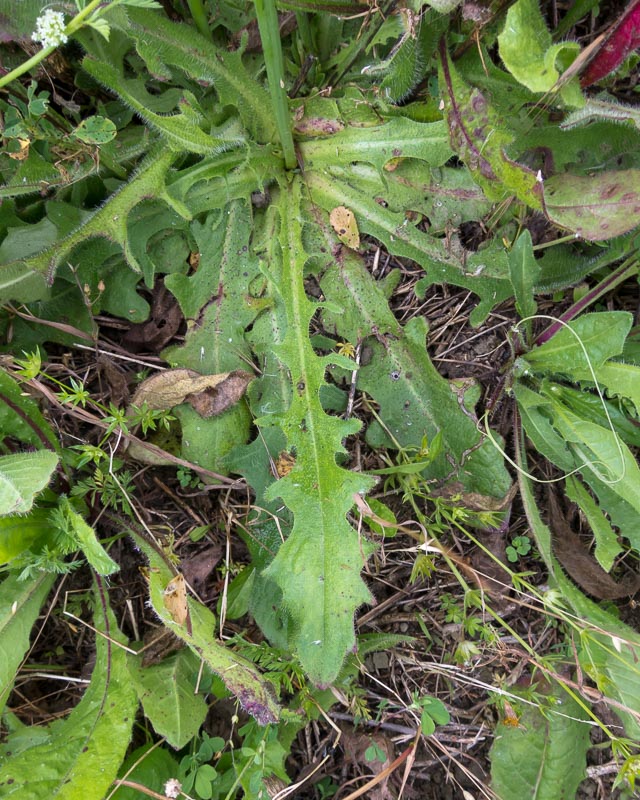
395, 375
300, 387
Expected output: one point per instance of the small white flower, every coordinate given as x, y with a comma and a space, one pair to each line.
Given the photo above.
50, 29
172, 788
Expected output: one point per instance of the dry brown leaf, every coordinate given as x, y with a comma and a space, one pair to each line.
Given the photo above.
175, 599
163, 324
578, 562
344, 224
209, 395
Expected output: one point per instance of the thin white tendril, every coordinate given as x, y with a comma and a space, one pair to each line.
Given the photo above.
589, 464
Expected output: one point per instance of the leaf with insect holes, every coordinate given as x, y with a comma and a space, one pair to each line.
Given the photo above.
94, 130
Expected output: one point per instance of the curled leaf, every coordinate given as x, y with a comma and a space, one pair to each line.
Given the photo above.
209, 395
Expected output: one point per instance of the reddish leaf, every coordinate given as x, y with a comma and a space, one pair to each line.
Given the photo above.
623, 39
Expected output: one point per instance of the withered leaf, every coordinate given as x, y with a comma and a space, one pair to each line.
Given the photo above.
209, 395
175, 599
580, 564
344, 223
163, 324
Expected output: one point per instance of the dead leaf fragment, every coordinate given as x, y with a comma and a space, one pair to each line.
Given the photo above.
23, 152
580, 565
175, 599
209, 395
344, 224
165, 320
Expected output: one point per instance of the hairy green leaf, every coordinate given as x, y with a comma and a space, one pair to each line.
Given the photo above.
109, 221
80, 755
22, 477
20, 603
182, 133
317, 568
162, 43
415, 401
544, 757
166, 691
529, 54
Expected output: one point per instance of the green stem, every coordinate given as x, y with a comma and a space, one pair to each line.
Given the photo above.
32, 62
72, 27
199, 16
270, 35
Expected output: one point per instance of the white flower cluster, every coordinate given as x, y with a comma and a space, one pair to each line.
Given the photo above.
50, 29
172, 788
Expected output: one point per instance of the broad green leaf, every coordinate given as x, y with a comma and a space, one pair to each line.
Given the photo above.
239, 675
166, 691
544, 757
22, 477
318, 566
396, 138
536, 418
619, 379
414, 400
589, 340
524, 272
216, 343
595, 207
529, 54
20, 533
602, 455
20, 603
81, 754
362, 191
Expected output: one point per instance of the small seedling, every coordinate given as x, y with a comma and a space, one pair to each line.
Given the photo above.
520, 546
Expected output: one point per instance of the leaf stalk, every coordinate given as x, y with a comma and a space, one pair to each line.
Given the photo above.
270, 35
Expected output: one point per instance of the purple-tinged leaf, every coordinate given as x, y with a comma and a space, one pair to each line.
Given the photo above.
595, 207
622, 40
